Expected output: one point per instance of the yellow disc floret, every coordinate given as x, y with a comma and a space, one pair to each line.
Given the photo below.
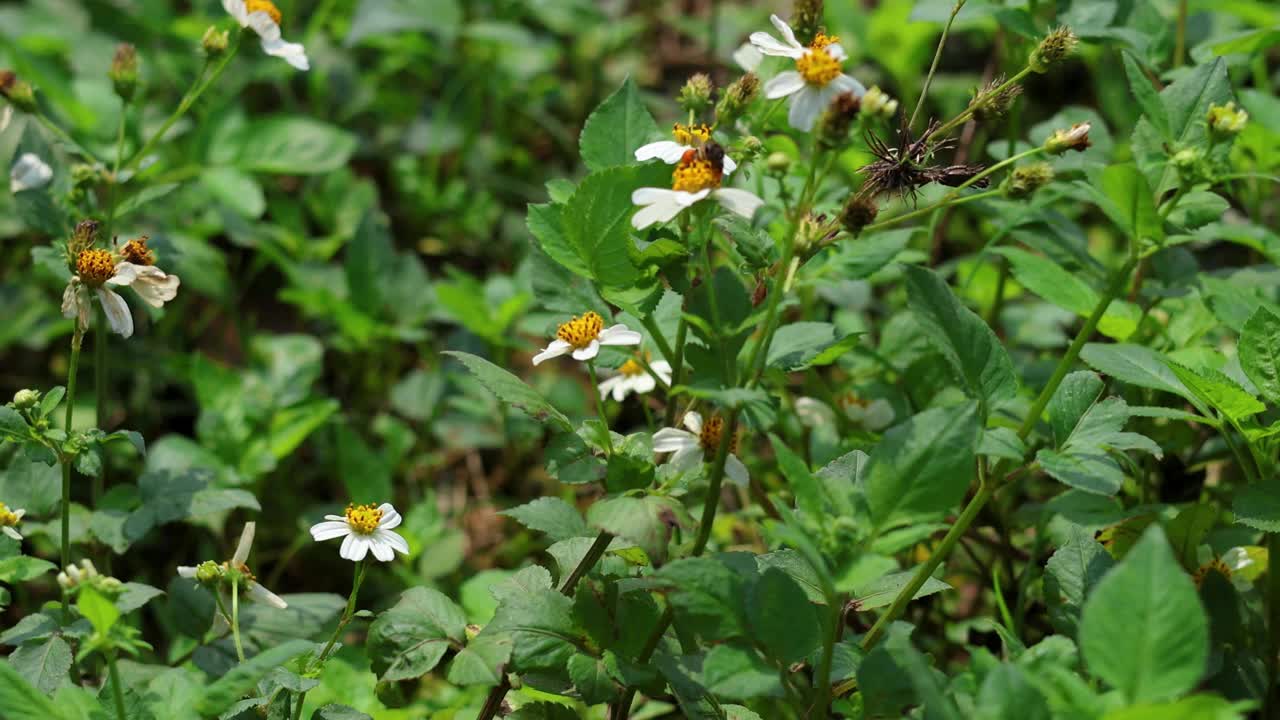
580, 331
8, 518
266, 6
818, 66
137, 252
95, 266
694, 174
691, 135
631, 368
712, 432
364, 519
1214, 565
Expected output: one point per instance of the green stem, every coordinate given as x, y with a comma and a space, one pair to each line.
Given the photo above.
1180, 36
677, 366
937, 57
337, 632
823, 680
967, 113
77, 338
117, 692
63, 136
1272, 699
100, 333
755, 361
604, 419
654, 332
235, 619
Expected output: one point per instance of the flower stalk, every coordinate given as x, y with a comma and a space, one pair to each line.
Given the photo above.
347, 614
77, 338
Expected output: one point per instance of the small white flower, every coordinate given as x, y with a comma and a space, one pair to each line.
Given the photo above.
264, 18
748, 57
29, 172
687, 137
873, 415
74, 575
253, 590
659, 205
700, 167
692, 446
817, 78
584, 335
814, 413
9, 520
633, 378
364, 529
99, 271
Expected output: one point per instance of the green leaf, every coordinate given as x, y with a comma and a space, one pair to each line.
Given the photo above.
591, 679
922, 467
616, 129
737, 672
511, 389
965, 341
481, 662
236, 189
1189, 529
595, 238
811, 495
369, 259
782, 619
333, 711
1007, 694
22, 701
646, 521
377, 18
707, 592
43, 664
1186, 102
550, 515
1260, 353
1134, 364
1073, 398
1046, 278
1152, 108
807, 344
541, 627
100, 612
408, 640
12, 424
1143, 630
1258, 505
287, 145
1070, 575
1219, 391
1083, 461
1124, 195
240, 680
884, 589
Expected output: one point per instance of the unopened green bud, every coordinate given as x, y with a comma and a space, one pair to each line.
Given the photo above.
1189, 162
992, 101
1226, 120
109, 586
858, 212
1027, 179
833, 126
124, 71
877, 103
807, 19
737, 98
747, 148
695, 96
214, 42
1055, 48
84, 174
1075, 138
778, 163
17, 92
208, 573
26, 399
812, 235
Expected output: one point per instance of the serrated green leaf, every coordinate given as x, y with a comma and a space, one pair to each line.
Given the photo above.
808, 344
1133, 364
511, 389
1219, 391
409, 639
616, 129
1260, 353
23, 701
1258, 505
1071, 573
550, 515
646, 521
43, 664
1152, 108
239, 680
884, 589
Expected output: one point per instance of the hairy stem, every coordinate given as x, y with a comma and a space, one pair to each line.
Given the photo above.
337, 632
967, 113
77, 338
235, 619
117, 691
100, 332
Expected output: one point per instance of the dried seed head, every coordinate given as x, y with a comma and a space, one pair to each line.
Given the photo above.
991, 101
136, 251
124, 71
833, 127
1056, 47
1027, 179
737, 98
807, 20
695, 96
858, 212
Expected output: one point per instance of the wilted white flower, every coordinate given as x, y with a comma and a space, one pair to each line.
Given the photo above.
29, 172
582, 337
700, 440
9, 520
687, 137
364, 529
264, 17
817, 79
211, 572
99, 270
633, 378
748, 57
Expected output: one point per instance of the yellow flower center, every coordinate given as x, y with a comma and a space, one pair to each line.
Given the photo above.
631, 368
580, 331
364, 519
712, 432
694, 174
137, 252
95, 267
266, 6
1214, 565
7, 517
691, 135
819, 66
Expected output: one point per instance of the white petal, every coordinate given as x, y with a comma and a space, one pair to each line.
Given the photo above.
785, 31
687, 199
246, 542
19, 512
381, 550
643, 384
186, 571
237, 10
262, 24
29, 172
748, 56
693, 421
117, 312
729, 165
836, 51
6, 114
814, 413
620, 335
616, 385
658, 205
355, 547
672, 440
686, 459
71, 299
806, 106
329, 530
11, 532
257, 593
339, 518
783, 84
844, 83
390, 518
736, 471
587, 353
663, 369
665, 150
393, 540
739, 201
292, 53
554, 350
156, 291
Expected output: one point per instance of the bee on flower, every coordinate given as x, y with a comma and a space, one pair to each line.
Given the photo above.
364, 529
698, 175
633, 378
817, 79
234, 570
97, 271
696, 442
9, 520
687, 137
583, 336
264, 17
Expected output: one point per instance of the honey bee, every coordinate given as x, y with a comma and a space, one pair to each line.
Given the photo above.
712, 152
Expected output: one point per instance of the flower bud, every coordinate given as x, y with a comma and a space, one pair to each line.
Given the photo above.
747, 148
1055, 48
778, 163
812, 235
877, 103
208, 573
833, 126
1027, 179
1075, 138
214, 42
858, 213
84, 237
17, 92
991, 101
26, 399
1189, 162
124, 71
737, 98
1226, 120
806, 20
695, 96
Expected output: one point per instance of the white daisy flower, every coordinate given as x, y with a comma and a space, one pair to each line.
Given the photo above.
9, 520
687, 137
692, 446
633, 378
873, 415
697, 176
817, 78
582, 337
365, 528
748, 57
210, 571
264, 17
29, 172
97, 269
